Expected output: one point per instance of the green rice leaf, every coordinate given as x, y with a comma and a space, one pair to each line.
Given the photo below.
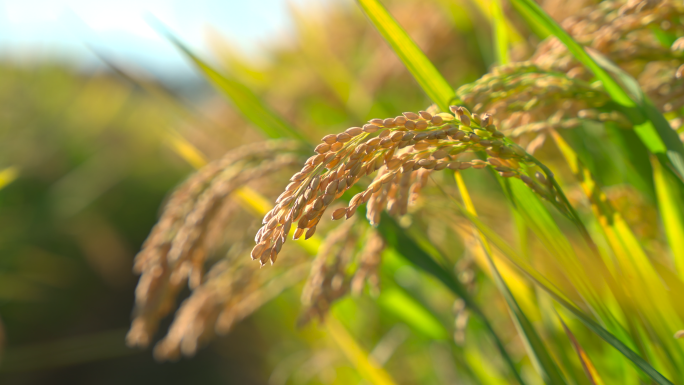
364, 364
547, 286
541, 358
408, 309
422, 69
670, 207
543, 363
397, 239
587, 365
500, 33
248, 103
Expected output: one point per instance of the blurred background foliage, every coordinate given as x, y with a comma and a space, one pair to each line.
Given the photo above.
88, 158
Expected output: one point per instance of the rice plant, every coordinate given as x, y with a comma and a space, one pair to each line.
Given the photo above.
574, 232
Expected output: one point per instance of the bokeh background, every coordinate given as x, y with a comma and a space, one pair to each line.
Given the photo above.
100, 117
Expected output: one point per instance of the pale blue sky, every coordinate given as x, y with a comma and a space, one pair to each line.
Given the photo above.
39, 28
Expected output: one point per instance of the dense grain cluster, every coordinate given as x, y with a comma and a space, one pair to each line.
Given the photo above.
552, 90
233, 291
177, 247
404, 151
530, 99
330, 277
623, 31
626, 34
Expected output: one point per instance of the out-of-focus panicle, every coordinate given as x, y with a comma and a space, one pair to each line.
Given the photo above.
625, 33
369, 263
328, 279
527, 98
331, 279
404, 151
552, 89
233, 290
621, 30
465, 270
177, 247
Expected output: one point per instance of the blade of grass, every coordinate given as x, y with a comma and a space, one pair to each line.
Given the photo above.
670, 207
541, 359
186, 150
646, 288
244, 99
395, 237
587, 365
508, 27
408, 309
429, 78
499, 23
541, 32
621, 240
8, 175
366, 366
539, 220
559, 297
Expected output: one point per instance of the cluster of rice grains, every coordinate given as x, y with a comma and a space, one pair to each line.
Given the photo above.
404, 151
552, 89
190, 226
621, 30
638, 35
340, 267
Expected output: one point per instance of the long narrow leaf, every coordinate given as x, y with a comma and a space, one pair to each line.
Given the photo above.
670, 206
541, 358
543, 363
587, 365
422, 69
499, 23
365, 365
412, 312
604, 334
245, 100
396, 238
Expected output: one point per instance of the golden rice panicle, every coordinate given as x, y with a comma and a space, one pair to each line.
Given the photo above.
177, 247
621, 30
531, 97
234, 289
400, 155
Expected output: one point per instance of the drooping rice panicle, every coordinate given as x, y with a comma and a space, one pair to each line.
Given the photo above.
404, 151
177, 247
552, 91
328, 279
